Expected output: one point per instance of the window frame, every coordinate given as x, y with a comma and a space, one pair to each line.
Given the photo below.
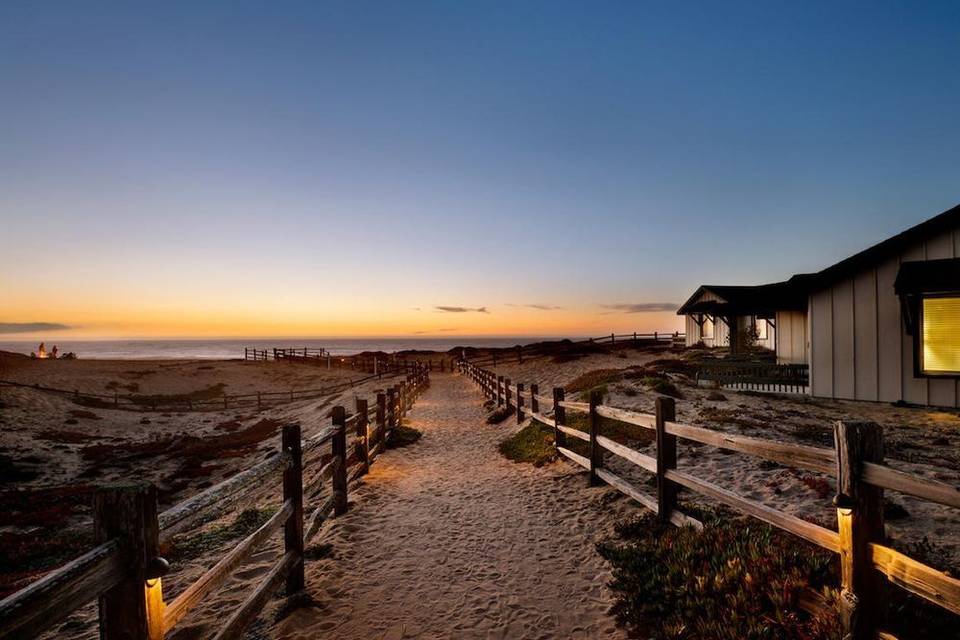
918, 370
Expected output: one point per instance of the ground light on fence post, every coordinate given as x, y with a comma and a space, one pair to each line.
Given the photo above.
860, 522
133, 608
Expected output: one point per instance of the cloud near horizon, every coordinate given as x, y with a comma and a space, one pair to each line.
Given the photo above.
541, 307
444, 330
641, 307
446, 309
30, 327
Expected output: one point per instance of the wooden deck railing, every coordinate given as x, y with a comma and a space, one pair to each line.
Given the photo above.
758, 376
856, 462
125, 570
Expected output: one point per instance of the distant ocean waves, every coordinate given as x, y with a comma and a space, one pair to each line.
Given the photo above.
225, 349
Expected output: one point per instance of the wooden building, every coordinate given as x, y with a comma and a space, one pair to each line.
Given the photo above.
882, 325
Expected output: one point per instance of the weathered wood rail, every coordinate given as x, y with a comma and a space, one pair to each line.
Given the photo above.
125, 571
856, 462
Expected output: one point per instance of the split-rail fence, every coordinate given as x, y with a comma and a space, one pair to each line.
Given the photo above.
364, 362
124, 571
856, 463
559, 347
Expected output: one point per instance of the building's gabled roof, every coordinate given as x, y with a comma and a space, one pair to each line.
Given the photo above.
893, 246
792, 294
928, 276
761, 300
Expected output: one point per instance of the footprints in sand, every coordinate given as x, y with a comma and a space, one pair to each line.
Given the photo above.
449, 540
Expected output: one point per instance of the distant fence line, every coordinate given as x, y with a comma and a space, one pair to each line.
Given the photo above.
558, 347
856, 463
179, 402
124, 571
360, 362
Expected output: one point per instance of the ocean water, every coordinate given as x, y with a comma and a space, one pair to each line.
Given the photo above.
233, 348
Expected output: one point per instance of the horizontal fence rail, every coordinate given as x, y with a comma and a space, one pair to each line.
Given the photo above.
124, 571
856, 462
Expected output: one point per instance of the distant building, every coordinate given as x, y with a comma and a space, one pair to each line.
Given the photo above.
882, 325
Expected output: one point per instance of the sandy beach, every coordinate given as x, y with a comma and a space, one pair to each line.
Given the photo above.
444, 538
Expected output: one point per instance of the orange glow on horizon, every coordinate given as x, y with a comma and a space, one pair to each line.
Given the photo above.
342, 323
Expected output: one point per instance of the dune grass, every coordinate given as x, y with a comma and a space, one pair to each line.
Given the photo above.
532, 444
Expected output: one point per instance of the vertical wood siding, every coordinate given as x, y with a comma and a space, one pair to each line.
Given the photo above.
792, 337
859, 348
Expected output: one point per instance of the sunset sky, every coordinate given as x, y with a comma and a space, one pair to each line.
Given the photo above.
452, 168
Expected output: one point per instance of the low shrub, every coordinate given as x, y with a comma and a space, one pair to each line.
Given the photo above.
500, 415
730, 581
533, 444
210, 393
593, 379
404, 436
191, 546
663, 386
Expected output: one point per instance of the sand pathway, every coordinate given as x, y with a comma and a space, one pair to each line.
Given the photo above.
447, 539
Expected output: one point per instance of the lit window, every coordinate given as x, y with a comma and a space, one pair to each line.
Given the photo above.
940, 335
706, 332
761, 325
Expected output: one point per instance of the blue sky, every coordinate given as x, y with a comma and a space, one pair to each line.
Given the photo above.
205, 160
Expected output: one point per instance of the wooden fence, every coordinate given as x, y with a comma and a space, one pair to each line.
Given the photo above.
259, 399
558, 347
856, 463
757, 376
359, 362
125, 570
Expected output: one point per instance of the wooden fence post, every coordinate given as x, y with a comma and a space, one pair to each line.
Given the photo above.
382, 420
519, 402
133, 609
339, 446
363, 434
534, 400
507, 392
499, 392
860, 519
596, 453
293, 491
392, 419
666, 459
559, 417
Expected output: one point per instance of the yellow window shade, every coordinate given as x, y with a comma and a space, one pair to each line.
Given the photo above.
941, 335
